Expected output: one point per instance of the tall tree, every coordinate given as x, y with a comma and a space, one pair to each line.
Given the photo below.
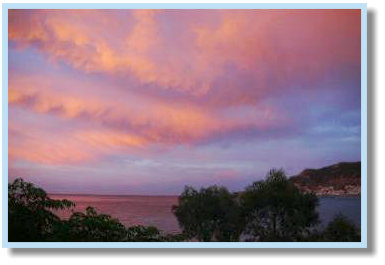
93, 227
29, 212
275, 210
210, 214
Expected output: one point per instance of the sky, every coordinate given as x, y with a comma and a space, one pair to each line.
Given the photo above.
148, 101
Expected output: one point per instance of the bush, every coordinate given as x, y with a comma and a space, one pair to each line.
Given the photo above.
341, 229
140, 233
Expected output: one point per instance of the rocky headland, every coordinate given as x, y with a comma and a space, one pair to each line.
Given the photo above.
342, 179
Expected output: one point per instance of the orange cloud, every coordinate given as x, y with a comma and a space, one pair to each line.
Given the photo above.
157, 117
292, 44
77, 43
124, 120
107, 139
259, 41
143, 36
45, 147
77, 145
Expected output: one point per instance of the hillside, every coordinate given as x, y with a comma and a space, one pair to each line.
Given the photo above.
338, 179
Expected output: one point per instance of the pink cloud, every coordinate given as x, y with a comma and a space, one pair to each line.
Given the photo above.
258, 41
115, 120
194, 75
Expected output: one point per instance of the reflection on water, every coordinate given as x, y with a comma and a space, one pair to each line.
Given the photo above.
156, 210
130, 210
348, 206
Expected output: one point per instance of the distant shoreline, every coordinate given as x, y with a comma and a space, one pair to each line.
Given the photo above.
340, 196
109, 195
133, 195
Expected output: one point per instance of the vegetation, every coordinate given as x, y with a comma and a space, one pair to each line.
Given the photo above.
275, 210
140, 233
211, 214
30, 218
90, 227
269, 210
341, 229
29, 212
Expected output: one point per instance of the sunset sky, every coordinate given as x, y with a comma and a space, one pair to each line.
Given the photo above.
147, 101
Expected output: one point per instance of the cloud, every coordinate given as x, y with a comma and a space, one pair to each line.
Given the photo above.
118, 119
258, 42
193, 96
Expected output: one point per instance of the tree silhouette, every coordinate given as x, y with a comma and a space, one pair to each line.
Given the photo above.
275, 210
269, 210
29, 212
341, 229
31, 219
211, 214
93, 227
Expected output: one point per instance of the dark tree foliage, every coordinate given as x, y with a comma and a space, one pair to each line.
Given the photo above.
91, 227
31, 220
29, 212
140, 233
210, 214
341, 229
269, 210
275, 210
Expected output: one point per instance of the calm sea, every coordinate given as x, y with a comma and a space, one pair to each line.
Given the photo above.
156, 210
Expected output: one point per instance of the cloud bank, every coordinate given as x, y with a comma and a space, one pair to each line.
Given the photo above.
99, 89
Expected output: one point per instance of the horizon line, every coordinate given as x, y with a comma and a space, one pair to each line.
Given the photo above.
98, 194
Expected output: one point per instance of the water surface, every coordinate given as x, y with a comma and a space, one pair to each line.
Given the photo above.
156, 210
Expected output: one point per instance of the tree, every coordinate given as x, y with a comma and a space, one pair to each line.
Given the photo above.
211, 214
341, 229
139, 233
31, 220
92, 227
275, 210
29, 212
